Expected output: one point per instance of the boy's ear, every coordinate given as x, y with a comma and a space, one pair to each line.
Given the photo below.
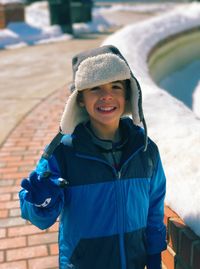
80, 99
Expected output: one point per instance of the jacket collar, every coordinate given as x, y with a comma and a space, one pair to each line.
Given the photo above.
134, 138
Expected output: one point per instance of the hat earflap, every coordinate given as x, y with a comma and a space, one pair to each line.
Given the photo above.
134, 107
73, 114
134, 101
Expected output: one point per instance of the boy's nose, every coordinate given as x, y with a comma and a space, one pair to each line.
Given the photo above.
106, 95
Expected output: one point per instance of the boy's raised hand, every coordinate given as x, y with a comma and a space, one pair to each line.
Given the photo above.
41, 190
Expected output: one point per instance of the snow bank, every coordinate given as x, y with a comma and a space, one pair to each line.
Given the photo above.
139, 7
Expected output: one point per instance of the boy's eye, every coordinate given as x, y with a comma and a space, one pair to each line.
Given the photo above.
116, 86
94, 89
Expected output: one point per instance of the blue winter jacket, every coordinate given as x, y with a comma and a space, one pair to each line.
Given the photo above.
108, 219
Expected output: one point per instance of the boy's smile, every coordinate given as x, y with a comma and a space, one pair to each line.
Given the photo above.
105, 104
104, 109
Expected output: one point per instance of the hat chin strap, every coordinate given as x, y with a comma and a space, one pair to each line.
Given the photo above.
145, 135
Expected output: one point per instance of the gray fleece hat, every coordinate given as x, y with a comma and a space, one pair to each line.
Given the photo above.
97, 67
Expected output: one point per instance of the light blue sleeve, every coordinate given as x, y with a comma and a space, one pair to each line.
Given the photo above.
43, 218
156, 230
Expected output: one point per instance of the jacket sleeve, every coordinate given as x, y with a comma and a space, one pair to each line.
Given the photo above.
156, 230
43, 218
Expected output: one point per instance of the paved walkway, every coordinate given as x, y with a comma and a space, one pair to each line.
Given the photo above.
30, 110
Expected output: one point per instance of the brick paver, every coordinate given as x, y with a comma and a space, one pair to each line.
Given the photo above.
22, 245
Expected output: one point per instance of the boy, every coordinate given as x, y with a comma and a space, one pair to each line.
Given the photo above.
111, 206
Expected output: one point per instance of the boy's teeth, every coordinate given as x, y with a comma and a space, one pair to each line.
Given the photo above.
106, 108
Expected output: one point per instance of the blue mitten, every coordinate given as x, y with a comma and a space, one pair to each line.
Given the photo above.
41, 191
154, 261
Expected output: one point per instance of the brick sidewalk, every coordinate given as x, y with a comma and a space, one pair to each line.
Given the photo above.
22, 245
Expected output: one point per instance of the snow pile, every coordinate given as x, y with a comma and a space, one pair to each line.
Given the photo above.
37, 28
140, 8
99, 24
171, 124
26, 34
37, 14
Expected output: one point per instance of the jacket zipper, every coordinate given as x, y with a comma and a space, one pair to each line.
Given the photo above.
121, 219
121, 210
120, 204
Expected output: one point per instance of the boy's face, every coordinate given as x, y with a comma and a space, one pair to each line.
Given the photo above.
105, 104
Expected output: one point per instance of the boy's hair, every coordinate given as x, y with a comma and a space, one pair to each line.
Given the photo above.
97, 67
